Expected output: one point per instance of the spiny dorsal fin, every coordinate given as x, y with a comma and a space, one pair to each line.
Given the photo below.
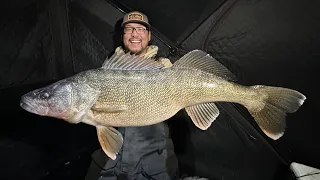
202, 115
126, 61
201, 60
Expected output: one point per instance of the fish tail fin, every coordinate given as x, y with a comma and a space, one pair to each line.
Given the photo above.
278, 102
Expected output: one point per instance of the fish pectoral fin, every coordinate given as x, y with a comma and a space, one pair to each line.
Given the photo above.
110, 140
110, 108
202, 115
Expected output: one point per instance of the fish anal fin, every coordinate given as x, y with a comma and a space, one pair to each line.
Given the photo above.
202, 115
110, 141
109, 108
201, 60
126, 61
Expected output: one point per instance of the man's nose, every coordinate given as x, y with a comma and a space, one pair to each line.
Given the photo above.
134, 32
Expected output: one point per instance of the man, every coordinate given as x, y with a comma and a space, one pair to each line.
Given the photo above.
147, 152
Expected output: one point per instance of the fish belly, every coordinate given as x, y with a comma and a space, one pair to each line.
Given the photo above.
143, 98
139, 108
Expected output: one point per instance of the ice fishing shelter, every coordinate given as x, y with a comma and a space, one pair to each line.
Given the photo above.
261, 41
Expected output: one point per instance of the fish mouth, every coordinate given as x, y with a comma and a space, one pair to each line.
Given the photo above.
29, 106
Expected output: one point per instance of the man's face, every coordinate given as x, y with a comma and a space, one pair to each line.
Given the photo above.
136, 38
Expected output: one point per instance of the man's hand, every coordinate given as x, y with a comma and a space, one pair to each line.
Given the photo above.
166, 62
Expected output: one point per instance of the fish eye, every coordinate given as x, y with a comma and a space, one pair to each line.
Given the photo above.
44, 95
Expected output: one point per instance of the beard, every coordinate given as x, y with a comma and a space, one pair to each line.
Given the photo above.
136, 52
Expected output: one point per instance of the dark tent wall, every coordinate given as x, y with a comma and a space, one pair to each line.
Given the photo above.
27, 53
262, 41
273, 43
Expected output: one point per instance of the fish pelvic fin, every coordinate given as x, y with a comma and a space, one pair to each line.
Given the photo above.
278, 102
201, 60
110, 141
202, 115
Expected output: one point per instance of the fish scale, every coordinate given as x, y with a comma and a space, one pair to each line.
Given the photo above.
142, 93
151, 96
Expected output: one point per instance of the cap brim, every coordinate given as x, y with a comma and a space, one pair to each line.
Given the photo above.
136, 21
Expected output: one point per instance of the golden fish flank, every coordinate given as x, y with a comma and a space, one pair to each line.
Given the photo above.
130, 90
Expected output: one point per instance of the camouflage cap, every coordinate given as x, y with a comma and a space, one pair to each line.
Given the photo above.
135, 17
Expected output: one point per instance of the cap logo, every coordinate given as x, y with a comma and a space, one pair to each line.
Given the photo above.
135, 16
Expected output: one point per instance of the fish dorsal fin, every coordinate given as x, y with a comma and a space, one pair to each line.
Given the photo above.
201, 60
126, 61
202, 115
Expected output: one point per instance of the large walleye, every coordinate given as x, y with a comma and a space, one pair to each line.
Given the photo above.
130, 90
